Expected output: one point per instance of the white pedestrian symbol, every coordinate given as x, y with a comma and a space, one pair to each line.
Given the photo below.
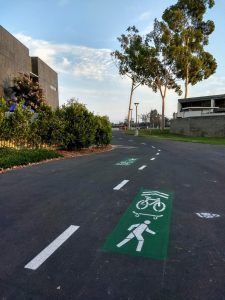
137, 232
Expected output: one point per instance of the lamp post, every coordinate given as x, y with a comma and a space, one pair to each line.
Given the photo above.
136, 130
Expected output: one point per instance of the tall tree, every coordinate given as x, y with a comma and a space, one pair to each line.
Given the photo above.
154, 118
184, 33
128, 61
157, 69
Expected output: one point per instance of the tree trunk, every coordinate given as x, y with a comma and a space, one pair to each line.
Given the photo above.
130, 104
186, 81
186, 84
163, 113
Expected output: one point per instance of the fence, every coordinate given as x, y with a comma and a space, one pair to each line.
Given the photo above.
15, 145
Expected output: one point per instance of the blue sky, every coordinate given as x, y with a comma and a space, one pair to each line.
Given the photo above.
75, 37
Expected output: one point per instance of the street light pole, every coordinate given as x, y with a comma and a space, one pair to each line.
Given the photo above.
136, 130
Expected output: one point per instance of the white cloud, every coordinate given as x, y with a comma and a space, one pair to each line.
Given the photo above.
147, 29
144, 16
215, 85
66, 62
71, 59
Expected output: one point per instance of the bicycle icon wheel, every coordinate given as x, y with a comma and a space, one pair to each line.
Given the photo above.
143, 204
159, 206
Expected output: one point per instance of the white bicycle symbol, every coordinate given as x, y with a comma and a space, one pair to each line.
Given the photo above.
156, 204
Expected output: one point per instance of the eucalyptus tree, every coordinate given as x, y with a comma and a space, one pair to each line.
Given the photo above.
183, 35
157, 69
129, 59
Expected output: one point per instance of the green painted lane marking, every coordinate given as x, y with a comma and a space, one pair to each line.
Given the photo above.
127, 162
143, 230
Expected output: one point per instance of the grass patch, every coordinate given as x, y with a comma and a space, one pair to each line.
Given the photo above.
165, 134
10, 157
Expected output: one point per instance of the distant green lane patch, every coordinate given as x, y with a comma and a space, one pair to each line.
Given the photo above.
127, 162
143, 230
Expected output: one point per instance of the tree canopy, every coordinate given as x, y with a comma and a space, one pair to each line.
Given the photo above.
27, 91
129, 60
184, 33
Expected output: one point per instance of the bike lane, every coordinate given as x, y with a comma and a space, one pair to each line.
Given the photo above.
144, 228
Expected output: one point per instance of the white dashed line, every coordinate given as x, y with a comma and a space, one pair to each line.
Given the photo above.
159, 150
142, 167
119, 186
207, 215
153, 147
143, 143
152, 158
51, 248
157, 153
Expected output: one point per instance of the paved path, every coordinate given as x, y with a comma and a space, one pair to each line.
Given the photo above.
39, 204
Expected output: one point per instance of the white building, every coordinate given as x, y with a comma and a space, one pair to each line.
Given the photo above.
201, 106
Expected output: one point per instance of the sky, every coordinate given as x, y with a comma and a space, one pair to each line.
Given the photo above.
76, 37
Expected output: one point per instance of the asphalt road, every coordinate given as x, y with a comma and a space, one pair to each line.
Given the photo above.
39, 203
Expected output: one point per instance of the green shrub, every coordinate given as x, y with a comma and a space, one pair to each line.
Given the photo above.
3, 109
17, 125
103, 133
13, 157
79, 126
47, 128
71, 127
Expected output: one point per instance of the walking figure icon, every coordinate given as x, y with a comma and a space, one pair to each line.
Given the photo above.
137, 231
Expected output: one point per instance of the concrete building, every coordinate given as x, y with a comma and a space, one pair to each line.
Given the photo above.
14, 59
200, 116
201, 106
48, 80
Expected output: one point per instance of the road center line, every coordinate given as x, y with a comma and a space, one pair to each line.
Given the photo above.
51, 248
119, 186
152, 158
142, 167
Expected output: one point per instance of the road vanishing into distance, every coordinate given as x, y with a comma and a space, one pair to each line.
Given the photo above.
143, 221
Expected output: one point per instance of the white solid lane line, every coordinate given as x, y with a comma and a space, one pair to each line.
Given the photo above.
142, 167
51, 248
119, 186
152, 158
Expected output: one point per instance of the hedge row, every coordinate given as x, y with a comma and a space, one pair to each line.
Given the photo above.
12, 157
70, 127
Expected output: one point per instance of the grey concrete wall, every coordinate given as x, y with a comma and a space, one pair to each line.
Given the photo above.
211, 126
14, 58
48, 80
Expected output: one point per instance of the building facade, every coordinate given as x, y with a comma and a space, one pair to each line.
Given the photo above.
15, 59
201, 106
200, 116
47, 79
